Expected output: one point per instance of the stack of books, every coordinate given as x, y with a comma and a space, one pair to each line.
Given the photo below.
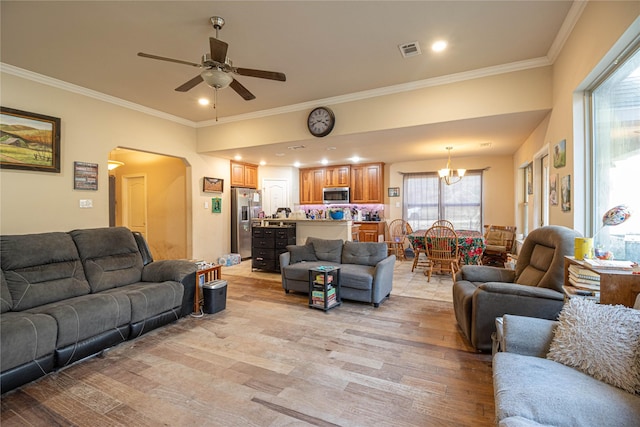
320, 279
584, 280
318, 297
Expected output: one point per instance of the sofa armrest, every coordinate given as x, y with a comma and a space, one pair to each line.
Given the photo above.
485, 273
181, 271
161, 271
285, 260
528, 336
383, 278
515, 289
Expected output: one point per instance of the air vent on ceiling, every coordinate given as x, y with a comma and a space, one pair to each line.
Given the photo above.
295, 147
410, 49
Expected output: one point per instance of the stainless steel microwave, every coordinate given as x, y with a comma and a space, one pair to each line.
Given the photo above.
335, 195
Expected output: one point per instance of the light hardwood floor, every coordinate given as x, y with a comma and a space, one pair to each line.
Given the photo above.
269, 360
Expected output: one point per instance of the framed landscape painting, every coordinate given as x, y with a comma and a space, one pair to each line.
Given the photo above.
29, 141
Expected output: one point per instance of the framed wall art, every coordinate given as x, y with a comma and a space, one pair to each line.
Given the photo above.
393, 191
85, 176
212, 185
29, 141
530, 178
560, 154
553, 189
216, 205
565, 193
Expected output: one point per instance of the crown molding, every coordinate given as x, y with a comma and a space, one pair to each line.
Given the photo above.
577, 7
50, 81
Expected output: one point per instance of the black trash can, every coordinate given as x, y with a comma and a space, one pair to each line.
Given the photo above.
215, 296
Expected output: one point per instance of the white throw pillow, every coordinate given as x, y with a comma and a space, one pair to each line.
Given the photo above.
600, 340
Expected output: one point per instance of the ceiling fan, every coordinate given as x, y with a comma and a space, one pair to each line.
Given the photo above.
218, 69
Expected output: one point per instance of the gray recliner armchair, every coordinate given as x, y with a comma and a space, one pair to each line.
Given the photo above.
534, 289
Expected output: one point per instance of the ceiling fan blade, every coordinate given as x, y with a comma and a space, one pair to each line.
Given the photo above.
162, 58
271, 75
190, 84
242, 91
218, 50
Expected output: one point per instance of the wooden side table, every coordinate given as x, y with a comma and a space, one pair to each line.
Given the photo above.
203, 276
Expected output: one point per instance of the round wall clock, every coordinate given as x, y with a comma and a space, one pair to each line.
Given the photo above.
321, 121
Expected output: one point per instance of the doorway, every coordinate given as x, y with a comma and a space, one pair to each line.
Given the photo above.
150, 195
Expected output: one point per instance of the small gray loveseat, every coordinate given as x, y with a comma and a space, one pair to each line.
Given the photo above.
366, 271
67, 296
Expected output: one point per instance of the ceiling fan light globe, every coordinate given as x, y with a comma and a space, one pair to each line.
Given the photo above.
215, 78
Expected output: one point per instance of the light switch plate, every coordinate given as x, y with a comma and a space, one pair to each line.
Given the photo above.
86, 203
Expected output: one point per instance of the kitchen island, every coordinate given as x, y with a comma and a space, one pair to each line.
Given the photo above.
322, 228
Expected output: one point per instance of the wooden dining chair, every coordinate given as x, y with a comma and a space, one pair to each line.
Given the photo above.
499, 241
444, 223
397, 234
442, 250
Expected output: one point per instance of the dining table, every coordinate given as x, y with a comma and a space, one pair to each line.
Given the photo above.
470, 244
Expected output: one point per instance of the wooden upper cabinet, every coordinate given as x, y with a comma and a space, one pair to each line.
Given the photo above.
338, 176
311, 185
244, 175
367, 183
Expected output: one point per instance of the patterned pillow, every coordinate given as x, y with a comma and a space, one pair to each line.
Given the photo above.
600, 340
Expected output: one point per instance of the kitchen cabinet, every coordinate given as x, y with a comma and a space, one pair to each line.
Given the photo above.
311, 185
370, 231
337, 176
367, 183
244, 175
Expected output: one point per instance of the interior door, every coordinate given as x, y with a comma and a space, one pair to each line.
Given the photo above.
134, 196
275, 195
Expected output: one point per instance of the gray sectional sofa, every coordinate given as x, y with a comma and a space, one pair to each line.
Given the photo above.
66, 296
532, 389
366, 270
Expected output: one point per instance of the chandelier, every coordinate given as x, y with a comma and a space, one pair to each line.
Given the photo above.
449, 175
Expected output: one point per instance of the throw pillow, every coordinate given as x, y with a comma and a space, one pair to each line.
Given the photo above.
301, 253
600, 340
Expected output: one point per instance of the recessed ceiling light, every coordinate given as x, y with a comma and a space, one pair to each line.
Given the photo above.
355, 159
203, 101
324, 161
262, 163
238, 157
439, 46
296, 164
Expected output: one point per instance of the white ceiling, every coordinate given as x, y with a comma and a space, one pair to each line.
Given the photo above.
326, 49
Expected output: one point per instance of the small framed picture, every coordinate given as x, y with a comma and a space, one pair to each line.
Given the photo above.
216, 205
393, 191
565, 193
85, 176
212, 185
553, 189
560, 154
530, 178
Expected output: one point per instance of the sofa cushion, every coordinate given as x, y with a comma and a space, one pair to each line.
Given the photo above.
357, 276
301, 253
300, 271
600, 340
327, 250
25, 337
6, 303
553, 394
150, 299
41, 268
87, 316
363, 253
110, 256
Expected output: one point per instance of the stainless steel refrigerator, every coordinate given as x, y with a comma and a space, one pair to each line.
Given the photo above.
246, 204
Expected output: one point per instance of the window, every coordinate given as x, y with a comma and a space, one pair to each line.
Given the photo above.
615, 154
428, 198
